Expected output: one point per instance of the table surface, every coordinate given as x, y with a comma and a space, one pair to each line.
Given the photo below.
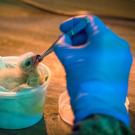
23, 29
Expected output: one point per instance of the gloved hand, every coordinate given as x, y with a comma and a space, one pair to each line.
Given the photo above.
97, 70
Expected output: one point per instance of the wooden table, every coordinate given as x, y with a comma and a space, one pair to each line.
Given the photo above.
23, 29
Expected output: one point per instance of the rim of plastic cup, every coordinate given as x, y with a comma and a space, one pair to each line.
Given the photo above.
10, 94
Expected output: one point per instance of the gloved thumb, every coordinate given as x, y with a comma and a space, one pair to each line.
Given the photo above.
64, 40
62, 47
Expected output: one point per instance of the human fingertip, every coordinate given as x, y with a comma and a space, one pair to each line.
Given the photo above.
68, 25
63, 27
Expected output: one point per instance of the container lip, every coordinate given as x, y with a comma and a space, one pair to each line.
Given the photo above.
9, 95
28, 92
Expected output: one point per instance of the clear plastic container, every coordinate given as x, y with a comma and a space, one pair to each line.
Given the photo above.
65, 109
25, 108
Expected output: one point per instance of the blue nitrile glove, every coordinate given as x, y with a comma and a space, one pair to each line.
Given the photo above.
97, 71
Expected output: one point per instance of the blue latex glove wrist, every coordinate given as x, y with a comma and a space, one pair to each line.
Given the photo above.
97, 72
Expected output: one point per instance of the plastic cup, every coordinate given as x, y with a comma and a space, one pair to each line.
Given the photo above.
24, 108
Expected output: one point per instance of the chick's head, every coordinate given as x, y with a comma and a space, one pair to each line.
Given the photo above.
26, 62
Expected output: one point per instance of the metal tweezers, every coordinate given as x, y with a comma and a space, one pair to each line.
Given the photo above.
38, 58
76, 29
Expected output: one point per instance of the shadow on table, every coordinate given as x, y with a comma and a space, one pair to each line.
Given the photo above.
37, 129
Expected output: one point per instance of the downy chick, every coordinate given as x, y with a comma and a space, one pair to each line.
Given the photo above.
25, 74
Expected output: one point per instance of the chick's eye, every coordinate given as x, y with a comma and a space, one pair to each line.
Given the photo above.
28, 63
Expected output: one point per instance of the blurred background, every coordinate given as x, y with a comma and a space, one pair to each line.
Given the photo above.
33, 25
